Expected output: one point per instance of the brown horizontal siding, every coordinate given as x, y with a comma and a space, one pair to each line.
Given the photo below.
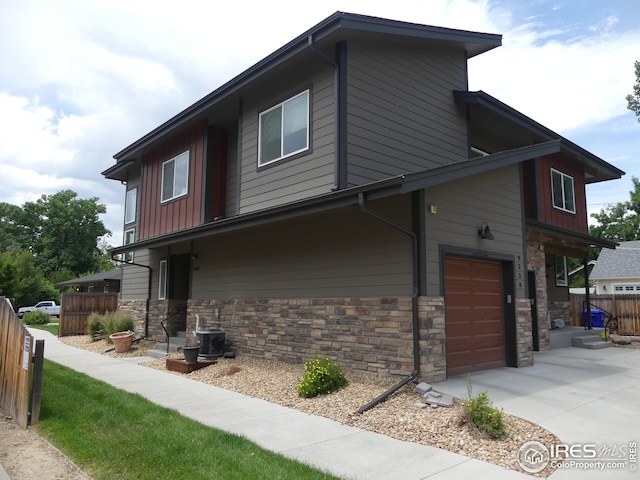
345, 253
401, 113
156, 218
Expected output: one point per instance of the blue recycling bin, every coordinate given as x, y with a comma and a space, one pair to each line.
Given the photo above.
597, 318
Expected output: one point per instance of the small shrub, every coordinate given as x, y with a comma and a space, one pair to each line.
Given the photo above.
480, 411
322, 377
36, 318
101, 326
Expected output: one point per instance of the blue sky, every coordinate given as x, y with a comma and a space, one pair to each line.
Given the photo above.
82, 79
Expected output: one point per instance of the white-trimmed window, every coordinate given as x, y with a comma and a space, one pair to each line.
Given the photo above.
129, 237
561, 272
563, 192
130, 205
284, 129
175, 177
162, 280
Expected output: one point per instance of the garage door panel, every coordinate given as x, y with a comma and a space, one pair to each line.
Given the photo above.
474, 315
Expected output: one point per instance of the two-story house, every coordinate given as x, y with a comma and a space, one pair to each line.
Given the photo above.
348, 196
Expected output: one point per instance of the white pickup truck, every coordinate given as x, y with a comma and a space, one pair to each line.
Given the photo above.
48, 306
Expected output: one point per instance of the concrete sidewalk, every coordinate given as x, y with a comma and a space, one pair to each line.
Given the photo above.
347, 452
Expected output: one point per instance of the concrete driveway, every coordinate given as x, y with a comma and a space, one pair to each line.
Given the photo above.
588, 398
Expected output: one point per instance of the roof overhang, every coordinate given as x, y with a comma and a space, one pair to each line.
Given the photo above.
587, 241
486, 110
349, 197
335, 28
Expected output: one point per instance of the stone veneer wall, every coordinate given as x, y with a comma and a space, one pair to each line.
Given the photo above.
158, 311
372, 335
536, 262
561, 310
524, 335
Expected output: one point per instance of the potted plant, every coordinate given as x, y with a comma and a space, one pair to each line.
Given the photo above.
122, 341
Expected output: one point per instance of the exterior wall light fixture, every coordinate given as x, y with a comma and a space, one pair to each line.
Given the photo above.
484, 232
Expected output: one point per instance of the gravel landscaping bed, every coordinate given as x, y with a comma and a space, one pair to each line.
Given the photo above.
397, 417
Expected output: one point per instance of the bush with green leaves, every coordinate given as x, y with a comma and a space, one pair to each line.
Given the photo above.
100, 326
481, 412
322, 376
36, 318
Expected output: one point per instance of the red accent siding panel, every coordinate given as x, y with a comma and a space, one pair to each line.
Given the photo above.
547, 213
184, 212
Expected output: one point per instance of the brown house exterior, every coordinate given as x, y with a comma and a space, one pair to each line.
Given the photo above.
329, 201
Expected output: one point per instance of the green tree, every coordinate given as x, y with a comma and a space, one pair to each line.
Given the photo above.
633, 100
65, 232
620, 222
30, 285
8, 278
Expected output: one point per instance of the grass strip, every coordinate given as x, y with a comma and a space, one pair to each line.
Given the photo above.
49, 328
112, 434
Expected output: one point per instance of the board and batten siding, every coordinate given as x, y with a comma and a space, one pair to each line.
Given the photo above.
302, 176
492, 197
341, 254
401, 112
158, 218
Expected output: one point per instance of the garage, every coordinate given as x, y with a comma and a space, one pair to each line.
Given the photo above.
474, 313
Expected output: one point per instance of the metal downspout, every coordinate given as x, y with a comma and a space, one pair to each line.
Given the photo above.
414, 307
146, 313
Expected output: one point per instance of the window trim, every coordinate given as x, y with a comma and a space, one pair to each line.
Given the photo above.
280, 105
563, 208
174, 159
562, 280
130, 206
128, 256
162, 280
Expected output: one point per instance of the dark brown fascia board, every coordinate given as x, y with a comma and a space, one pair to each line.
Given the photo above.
348, 197
511, 115
475, 44
475, 166
569, 235
318, 204
118, 171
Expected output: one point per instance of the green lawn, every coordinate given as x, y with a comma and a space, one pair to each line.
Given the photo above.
49, 328
112, 434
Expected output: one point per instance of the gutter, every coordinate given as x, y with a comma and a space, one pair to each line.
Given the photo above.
146, 313
414, 306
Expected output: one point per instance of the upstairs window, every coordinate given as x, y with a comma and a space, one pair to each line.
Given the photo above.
130, 206
563, 193
175, 177
284, 129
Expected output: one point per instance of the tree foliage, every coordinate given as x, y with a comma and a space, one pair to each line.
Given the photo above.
620, 222
52, 239
633, 99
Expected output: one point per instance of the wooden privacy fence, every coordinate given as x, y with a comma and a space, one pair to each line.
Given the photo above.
75, 309
625, 307
16, 367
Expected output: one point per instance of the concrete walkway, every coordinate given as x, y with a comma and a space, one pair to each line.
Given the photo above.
577, 394
582, 396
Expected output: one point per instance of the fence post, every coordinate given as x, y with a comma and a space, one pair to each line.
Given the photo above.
38, 365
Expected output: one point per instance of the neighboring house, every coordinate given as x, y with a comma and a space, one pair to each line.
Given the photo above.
347, 196
617, 272
103, 282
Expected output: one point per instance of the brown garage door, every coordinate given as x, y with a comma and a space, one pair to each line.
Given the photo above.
474, 315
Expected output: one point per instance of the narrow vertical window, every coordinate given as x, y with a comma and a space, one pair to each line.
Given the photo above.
562, 190
130, 205
162, 280
129, 237
561, 271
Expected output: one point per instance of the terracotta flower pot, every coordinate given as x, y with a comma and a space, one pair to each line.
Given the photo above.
122, 341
